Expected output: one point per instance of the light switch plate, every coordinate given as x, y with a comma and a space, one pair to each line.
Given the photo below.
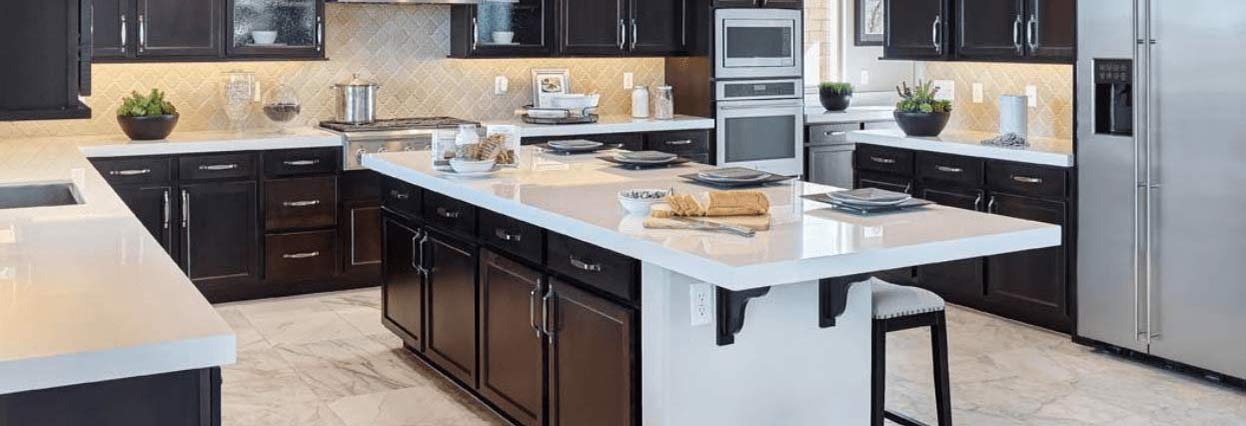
947, 90
865, 77
628, 81
701, 298
500, 85
977, 93
1031, 91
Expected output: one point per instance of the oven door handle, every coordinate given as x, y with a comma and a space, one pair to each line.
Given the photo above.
759, 105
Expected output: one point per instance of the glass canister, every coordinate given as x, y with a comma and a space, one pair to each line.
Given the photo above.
240, 92
663, 103
640, 102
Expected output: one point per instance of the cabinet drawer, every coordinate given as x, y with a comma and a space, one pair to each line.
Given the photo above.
512, 236
120, 171
300, 203
300, 256
216, 166
449, 214
966, 171
1027, 179
831, 134
301, 162
401, 197
695, 141
884, 159
594, 266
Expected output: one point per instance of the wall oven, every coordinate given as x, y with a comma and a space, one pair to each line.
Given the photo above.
752, 43
760, 124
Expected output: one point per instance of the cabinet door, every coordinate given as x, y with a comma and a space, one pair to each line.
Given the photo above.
830, 165
990, 29
402, 285
512, 351
173, 28
593, 27
451, 336
657, 27
153, 205
959, 281
114, 29
1052, 29
502, 29
866, 179
361, 228
591, 359
296, 28
220, 231
45, 46
1030, 286
917, 29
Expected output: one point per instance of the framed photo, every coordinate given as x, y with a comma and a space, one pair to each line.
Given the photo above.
548, 82
871, 20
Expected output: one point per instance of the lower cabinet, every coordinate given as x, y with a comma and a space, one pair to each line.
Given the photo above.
153, 206
402, 289
220, 236
1031, 286
512, 351
180, 398
866, 179
451, 294
591, 363
961, 281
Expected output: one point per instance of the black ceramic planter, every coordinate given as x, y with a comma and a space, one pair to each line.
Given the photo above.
148, 128
834, 101
922, 123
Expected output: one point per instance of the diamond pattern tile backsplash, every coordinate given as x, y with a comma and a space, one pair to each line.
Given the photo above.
402, 47
1052, 118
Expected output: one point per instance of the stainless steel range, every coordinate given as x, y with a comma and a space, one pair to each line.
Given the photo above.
399, 134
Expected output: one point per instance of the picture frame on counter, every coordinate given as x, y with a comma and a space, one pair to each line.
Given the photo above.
548, 82
870, 22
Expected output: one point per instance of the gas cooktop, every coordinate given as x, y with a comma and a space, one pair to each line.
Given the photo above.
396, 124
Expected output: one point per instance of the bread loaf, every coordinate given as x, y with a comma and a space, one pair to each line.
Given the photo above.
738, 203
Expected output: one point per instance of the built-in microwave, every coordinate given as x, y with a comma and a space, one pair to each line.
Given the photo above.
753, 43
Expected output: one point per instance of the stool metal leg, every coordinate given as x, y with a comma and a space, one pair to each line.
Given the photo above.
938, 345
878, 368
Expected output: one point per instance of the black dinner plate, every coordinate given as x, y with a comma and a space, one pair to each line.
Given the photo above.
575, 151
769, 179
641, 166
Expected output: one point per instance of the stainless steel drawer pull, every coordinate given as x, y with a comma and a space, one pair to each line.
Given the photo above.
307, 255
448, 214
834, 133
307, 203
680, 142
1027, 179
399, 195
580, 264
883, 160
507, 236
301, 163
129, 172
947, 169
217, 167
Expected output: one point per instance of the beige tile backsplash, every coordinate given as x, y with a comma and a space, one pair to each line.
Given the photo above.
403, 47
1052, 118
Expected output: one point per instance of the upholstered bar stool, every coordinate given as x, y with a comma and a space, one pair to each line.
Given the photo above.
899, 308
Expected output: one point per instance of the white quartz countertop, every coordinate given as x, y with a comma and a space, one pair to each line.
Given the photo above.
815, 115
609, 124
86, 293
1044, 151
576, 196
209, 141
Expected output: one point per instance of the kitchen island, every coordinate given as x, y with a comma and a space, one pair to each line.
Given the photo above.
586, 317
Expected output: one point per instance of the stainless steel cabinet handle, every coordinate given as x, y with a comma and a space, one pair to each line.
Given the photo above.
399, 195
532, 310
1031, 32
142, 32
415, 249
185, 209
948, 169
423, 236
883, 160
217, 167
622, 34
549, 294
301, 163
934, 33
448, 214
306, 255
305, 203
1016, 35
1027, 179
319, 33
186, 231
124, 36
582, 265
135, 172
680, 142
635, 33
977, 203
990, 205
908, 188
507, 236
168, 210
475, 33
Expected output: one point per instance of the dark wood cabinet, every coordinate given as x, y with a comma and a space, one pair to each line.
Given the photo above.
299, 24
300, 256
402, 288
1052, 29
593, 27
1032, 285
961, 281
512, 348
591, 359
177, 28
114, 28
180, 398
451, 294
360, 231
47, 49
866, 179
783, 4
530, 24
220, 232
917, 29
990, 28
658, 27
153, 206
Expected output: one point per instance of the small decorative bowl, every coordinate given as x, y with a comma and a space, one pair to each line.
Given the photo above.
639, 201
471, 166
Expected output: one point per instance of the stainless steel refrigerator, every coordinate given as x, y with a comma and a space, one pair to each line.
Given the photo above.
1161, 97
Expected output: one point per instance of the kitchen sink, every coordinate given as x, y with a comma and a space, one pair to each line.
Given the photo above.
38, 195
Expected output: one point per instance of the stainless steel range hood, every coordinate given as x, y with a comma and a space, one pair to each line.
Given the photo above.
412, 1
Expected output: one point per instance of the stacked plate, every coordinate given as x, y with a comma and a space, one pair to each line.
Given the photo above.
574, 145
733, 175
645, 157
871, 197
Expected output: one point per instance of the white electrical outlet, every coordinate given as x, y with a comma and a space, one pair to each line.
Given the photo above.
1031, 91
947, 90
628, 81
977, 93
865, 77
500, 85
701, 298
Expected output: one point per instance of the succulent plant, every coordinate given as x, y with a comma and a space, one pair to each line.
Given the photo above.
920, 98
836, 88
152, 105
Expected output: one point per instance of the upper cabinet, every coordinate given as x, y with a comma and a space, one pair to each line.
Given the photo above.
208, 30
542, 28
502, 29
981, 30
783, 4
48, 43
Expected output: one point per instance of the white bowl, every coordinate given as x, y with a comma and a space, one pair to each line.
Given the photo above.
640, 206
264, 37
503, 37
574, 101
470, 166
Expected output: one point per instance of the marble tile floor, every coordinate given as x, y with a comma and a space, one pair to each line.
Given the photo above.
325, 360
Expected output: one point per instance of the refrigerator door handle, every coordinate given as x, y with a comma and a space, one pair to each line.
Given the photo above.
1141, 185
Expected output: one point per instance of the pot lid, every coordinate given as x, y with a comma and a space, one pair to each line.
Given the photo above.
357, 81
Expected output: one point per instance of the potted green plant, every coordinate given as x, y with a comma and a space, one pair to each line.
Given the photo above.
835, 96
918, 113
145, 118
